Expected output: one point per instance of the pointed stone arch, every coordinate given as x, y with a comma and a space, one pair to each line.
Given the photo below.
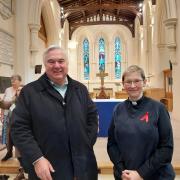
52, 25
38, 7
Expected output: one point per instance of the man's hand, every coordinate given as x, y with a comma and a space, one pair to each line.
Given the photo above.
43, 169
130, 175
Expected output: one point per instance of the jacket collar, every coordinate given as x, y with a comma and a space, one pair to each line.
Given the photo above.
45, 85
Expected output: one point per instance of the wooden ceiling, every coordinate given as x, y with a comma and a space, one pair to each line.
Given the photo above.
93, 12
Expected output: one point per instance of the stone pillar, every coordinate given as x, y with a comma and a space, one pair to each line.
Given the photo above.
171, 8
34, 29
171, 38
21, 64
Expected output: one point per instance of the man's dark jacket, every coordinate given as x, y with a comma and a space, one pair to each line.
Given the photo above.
62, 130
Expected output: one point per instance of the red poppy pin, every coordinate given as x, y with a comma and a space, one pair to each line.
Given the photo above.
145, 117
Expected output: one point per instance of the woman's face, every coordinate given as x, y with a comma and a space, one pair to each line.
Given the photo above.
133, 84
15, 83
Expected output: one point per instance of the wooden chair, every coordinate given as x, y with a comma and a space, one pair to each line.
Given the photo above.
168, 99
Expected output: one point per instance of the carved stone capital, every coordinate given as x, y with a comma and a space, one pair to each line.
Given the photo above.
34, 29
170, 22
171, 31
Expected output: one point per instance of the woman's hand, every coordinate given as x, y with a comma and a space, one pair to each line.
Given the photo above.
130, 175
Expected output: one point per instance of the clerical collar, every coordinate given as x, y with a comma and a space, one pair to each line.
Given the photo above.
135, 103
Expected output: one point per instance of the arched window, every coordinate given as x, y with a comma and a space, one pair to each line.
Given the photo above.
101, 54
86, 58
117, 58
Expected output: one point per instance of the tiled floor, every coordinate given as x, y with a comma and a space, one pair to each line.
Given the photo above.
100, 177
110, 177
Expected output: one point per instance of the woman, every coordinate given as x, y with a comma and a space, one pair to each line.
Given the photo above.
8, 99
11, 105
140, 139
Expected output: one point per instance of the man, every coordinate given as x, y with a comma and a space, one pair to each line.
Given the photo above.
55, 124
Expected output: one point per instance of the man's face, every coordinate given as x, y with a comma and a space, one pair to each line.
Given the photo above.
56, 66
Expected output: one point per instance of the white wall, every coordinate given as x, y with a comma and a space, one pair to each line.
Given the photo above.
7, 24
7, 27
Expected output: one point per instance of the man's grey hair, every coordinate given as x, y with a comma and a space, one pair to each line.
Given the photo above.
131, 69
53, 47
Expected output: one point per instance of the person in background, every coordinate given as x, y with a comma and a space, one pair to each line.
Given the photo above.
140, 138
6, 102
11, 105
5, 105
55, 124
20, 175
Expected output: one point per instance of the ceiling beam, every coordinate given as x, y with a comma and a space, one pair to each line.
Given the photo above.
103, 6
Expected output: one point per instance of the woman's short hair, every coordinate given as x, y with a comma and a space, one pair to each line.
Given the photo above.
131, 69
16, 77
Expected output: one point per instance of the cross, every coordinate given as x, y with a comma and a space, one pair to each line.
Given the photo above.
102, 74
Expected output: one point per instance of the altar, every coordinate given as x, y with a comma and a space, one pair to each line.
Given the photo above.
105, 109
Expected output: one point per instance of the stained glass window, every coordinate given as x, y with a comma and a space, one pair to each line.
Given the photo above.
86, 58
117, 58
101, 54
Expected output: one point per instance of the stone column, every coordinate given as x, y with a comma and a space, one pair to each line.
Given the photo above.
171, 38
34, 29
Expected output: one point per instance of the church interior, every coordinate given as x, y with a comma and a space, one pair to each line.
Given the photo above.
102, 38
